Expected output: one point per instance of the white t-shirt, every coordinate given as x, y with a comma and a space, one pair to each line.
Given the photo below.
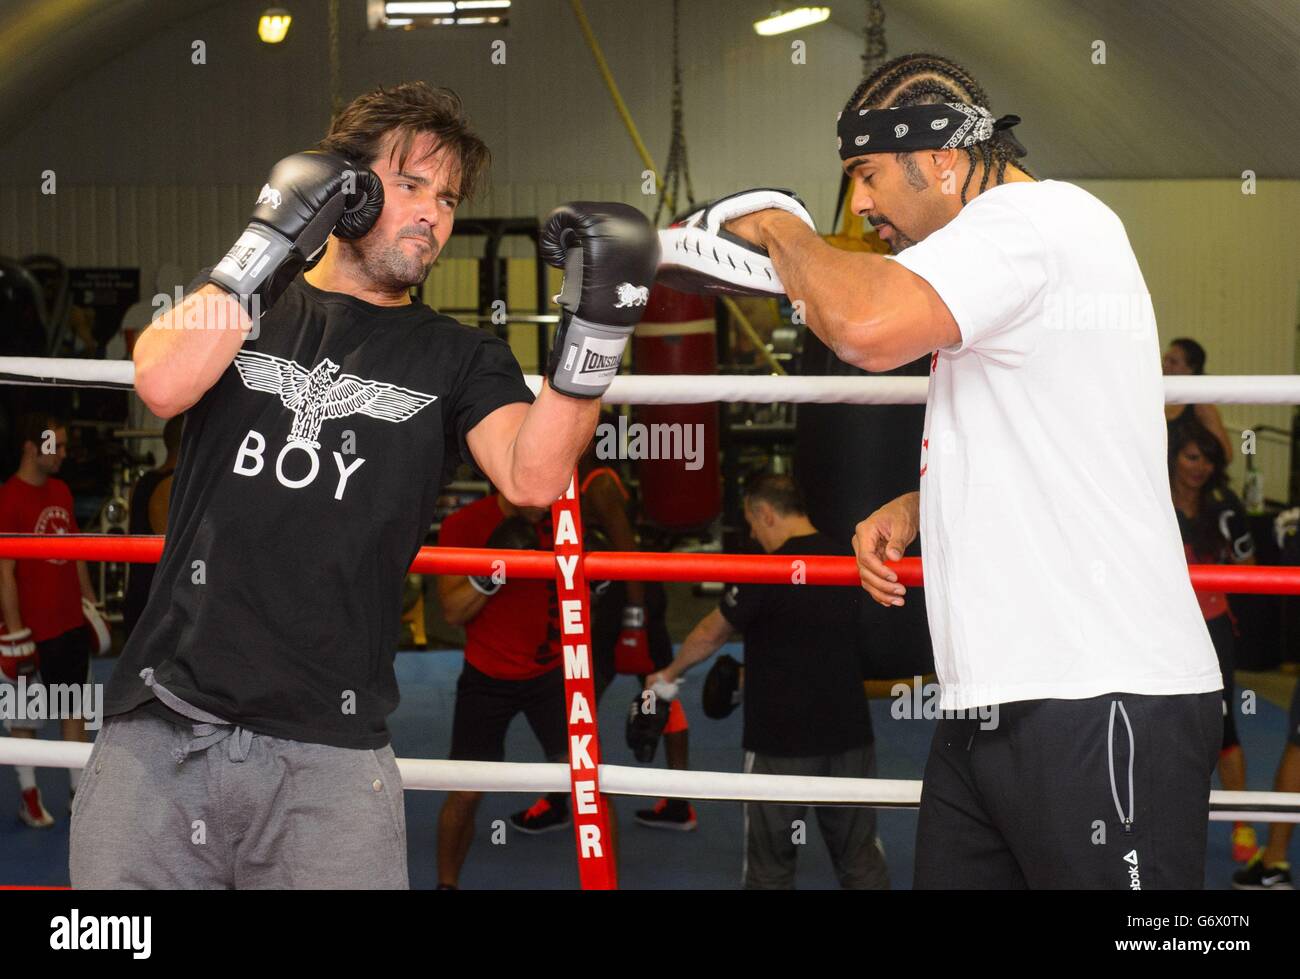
1053, 562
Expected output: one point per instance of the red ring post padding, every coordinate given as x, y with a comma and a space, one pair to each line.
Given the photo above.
596, 869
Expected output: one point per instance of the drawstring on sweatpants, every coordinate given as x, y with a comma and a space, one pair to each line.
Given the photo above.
207, 729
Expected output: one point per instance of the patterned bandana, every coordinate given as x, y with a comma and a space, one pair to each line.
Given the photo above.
942, 125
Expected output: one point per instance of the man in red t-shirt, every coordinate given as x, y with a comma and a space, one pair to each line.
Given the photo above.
45, 636
512, 666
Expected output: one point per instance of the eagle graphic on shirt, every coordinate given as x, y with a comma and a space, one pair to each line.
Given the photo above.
317, 395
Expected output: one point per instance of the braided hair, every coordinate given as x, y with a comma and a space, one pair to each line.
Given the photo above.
926, 79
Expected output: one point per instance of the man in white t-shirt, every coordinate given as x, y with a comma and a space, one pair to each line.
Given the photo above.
1056, 586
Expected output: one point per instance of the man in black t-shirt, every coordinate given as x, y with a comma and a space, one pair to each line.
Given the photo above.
246, 743
805, 705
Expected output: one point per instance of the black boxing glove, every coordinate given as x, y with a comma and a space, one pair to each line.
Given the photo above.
644, 727
594, 539
1235, 531
609, 253
511, 534
307, 196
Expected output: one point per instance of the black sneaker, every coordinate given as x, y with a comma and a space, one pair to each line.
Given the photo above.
668, 814
1256, 877
542, 817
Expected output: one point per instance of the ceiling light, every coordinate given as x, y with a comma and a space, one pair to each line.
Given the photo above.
781, 21
273, 25
415, 8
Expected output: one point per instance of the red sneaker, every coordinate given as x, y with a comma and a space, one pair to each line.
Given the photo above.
541, 817
675, 814
32, 812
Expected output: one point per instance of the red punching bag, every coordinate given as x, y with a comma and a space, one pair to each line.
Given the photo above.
676, 336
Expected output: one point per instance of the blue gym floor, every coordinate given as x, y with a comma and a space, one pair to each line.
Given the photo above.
709, 858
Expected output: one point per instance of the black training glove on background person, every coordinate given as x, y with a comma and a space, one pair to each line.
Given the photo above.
306, 197
511, 534
609, 253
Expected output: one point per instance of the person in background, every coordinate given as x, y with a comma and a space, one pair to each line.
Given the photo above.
45, 636
629, 630
148, 515
1186, 356
805, 706
512, 666
1212, 522
1269, 869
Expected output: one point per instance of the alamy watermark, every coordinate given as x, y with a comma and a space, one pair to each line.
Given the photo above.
917, 701
654, 441
23, 701
1078, 311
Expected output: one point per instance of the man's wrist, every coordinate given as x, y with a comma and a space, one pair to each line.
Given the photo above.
775, 223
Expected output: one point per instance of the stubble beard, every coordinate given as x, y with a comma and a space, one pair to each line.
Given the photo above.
391, 266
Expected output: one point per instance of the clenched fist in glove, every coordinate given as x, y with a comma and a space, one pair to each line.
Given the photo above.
632, 654
306, 197
18, 655
609, 253
514, 533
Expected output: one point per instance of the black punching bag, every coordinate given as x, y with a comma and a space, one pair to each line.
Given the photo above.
850, 460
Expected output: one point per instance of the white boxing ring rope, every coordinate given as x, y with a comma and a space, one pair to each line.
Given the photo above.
492, 776
439, 775
681, 389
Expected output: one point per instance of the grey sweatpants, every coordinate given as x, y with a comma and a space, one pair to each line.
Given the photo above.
774, 832
167, 805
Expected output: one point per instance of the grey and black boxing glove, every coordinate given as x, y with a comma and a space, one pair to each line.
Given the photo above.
609, 253
306, 197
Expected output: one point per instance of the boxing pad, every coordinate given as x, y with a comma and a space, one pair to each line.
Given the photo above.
722, 688
101, 638
644, 729
698, 255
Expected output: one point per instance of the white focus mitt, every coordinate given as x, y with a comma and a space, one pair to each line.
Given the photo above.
103, 639
699, 256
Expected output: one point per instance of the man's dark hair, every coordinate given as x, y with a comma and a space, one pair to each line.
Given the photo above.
779, 491
410, 109
927, 79
32, 426
1193, 353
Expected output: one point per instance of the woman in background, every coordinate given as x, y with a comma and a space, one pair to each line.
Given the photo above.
1213, 525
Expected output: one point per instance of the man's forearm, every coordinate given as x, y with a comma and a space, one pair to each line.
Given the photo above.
186, 350
554, 433
835, 286
83, 578
912, 501
460, 600
13, 618
695, 650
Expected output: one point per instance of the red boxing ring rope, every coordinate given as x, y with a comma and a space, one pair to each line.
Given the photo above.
632, 565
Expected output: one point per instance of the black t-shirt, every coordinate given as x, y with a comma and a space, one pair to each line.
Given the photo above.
308, 476
803, 685
1218, 534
